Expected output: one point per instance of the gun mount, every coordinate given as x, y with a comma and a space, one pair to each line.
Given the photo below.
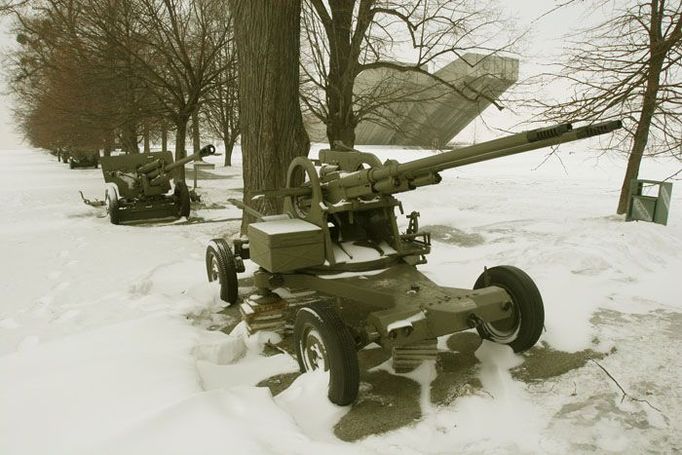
338, 235
137, 185
82, 158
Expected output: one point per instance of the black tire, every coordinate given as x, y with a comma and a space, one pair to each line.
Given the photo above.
523, 329
220, 266
182, 200
322, 340
71, 165
111, 201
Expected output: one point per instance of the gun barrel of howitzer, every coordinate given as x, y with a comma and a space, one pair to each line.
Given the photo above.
572, 135
182, 161
441, 161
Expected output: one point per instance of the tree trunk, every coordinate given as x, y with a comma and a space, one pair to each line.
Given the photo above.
229, 147
341, 122
196, 139
164, 139
109, 143
643, 125
129, 138
180, 152
267, 40
145, 135
339, 91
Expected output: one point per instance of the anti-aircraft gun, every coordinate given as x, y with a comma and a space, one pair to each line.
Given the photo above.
138, 185
338, 235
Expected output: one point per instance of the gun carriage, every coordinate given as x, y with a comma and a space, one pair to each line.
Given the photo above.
83, 158
338, 235
138, 186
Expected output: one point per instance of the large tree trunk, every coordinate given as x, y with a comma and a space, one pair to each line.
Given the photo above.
164, 138
267, 39
641, 137
339, 91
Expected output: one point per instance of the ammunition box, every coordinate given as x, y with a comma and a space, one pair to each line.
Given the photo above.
286, 245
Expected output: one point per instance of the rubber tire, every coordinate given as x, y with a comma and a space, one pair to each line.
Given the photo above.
526, 298
344, 372
182, 200
227, 270
112, 208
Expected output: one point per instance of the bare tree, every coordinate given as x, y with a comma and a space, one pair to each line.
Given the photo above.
628, 67
267, 40
347, 37
221, 108
173, 44
59, 49
10, 6
52, 76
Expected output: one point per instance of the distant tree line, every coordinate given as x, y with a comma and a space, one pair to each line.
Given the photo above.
105, 73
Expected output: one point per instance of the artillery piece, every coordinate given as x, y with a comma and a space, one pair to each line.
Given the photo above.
82, 158
339, 236
137, 185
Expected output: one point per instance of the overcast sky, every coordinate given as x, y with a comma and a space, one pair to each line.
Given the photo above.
542, 44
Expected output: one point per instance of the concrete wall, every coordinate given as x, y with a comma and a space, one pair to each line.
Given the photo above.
427, 113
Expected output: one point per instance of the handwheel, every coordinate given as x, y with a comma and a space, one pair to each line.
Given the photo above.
323, 342
182, 200
220, 266
523, 328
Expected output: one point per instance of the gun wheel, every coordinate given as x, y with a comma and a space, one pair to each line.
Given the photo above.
182, 199
111, 203
323, 342
523, 328
221, 267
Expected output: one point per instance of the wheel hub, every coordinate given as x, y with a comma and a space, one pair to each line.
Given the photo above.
215, 271
314, 352
505, 330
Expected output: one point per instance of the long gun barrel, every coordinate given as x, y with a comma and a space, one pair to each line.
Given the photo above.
394, 177
155, 170
205, 151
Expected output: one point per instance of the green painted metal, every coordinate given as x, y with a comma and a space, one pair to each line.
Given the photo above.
338, 234
143, 182
83, 158
643, 207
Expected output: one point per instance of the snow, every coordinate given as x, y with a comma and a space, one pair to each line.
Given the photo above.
284, 226
350, 253
105, 344
407, 322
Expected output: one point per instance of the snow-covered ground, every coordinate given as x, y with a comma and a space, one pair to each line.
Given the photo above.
105, 344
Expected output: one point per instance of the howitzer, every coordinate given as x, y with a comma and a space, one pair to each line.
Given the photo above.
338, 235
138, 183
82, 158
